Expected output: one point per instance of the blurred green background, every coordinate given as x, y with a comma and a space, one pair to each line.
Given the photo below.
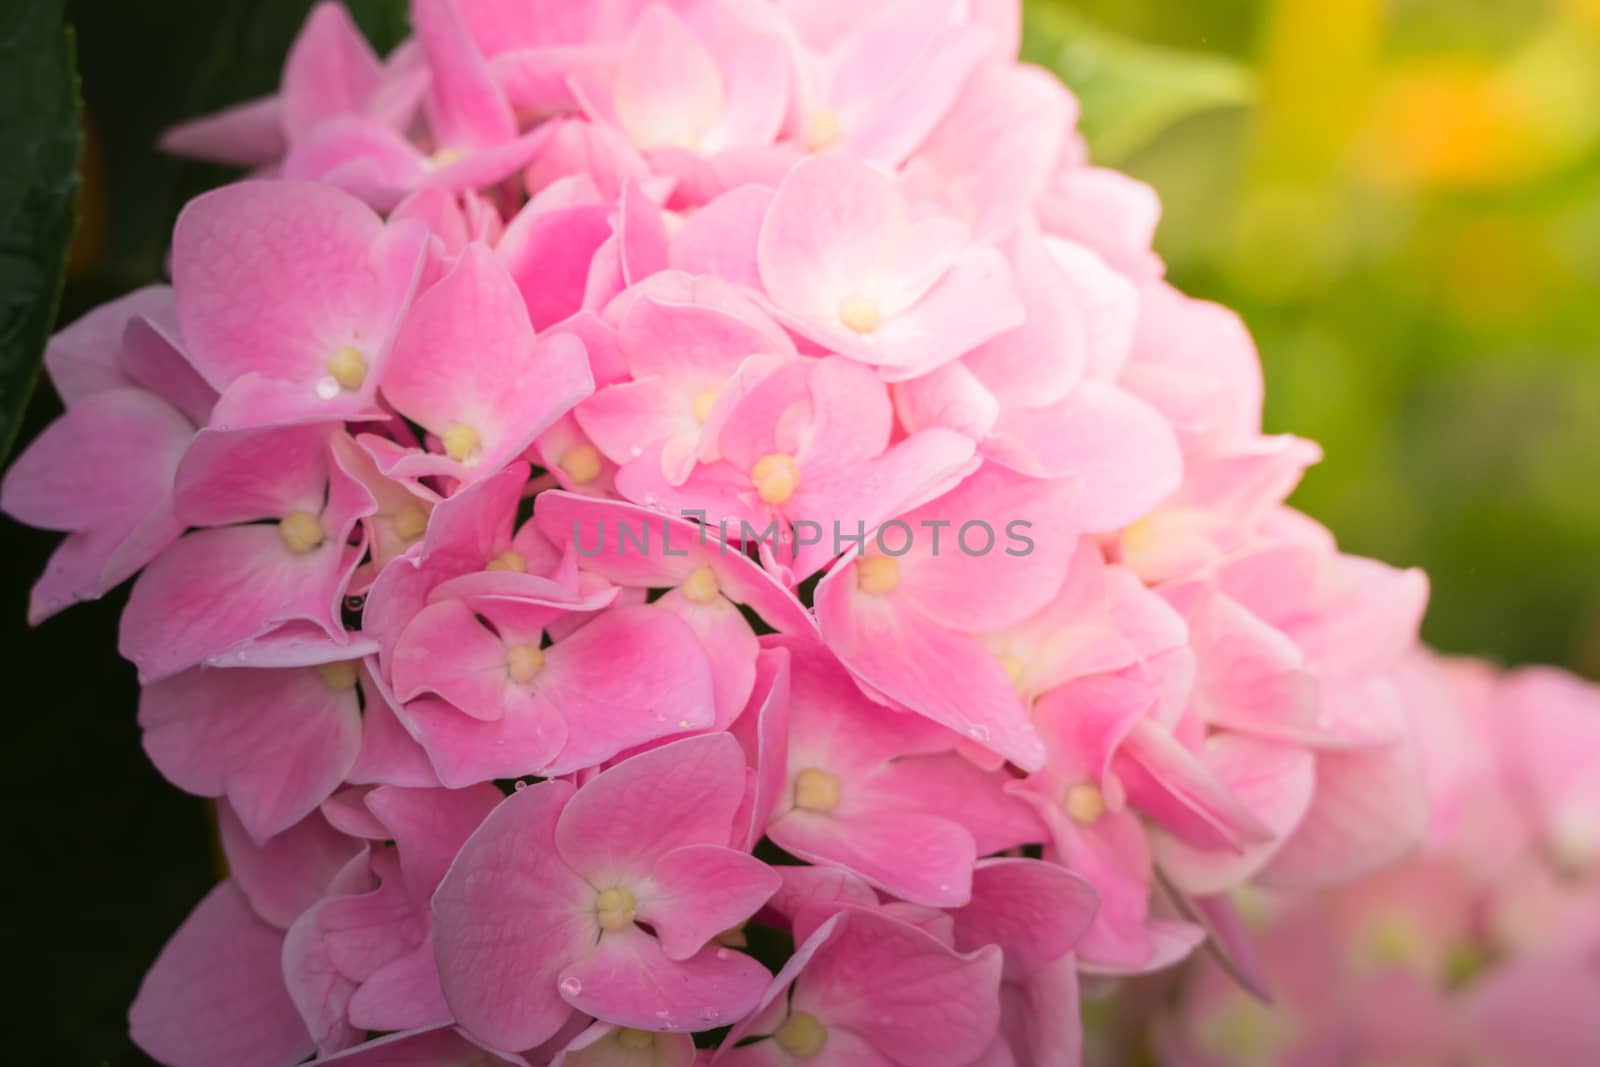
1402, 197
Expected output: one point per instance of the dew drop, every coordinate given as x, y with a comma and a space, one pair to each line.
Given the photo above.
570, 987
978, 733
724, 954
327, 388
520, 786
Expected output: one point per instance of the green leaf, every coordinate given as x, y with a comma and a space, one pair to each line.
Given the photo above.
1130, 91
39, 142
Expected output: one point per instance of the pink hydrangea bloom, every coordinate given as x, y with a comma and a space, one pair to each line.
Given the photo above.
1484, 945
697, 532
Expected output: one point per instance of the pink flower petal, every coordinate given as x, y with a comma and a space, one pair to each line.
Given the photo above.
508, 917
216, 993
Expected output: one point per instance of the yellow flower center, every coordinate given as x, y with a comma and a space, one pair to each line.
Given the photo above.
635, 1040
582, 464
801, 1035
341, 674
877, 574
1084, 803
508, 561
1013, 668
775, 477
301, 531
859, 313
523, 662
410, 522
460, 442
816, 790
701, 585
614, 909
348, 367
823, 131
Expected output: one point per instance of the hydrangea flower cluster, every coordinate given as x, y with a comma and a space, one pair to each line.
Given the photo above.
632, 497
1484, 947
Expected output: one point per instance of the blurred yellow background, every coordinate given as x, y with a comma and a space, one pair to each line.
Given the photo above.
1403, 199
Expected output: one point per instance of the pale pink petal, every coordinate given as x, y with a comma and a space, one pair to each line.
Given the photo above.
500, 385
1274, 782
507, 918
1534, 1012
668, 90
720, 238
443, 1046
274, 279
921, 858
629, 981
1035, 911
230, 476
429, 826
948, 677
1369, 809
464, 106
685, 793
250, 134
331, 70
901, 990
213, 589
464, 751
216, 992
287, 874
1124, 451
633, 675
697, 891
275, 742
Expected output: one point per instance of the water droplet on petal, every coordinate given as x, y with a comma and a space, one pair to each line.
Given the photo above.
327, 388
978, 733
520, 786
723, 953
570, 987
